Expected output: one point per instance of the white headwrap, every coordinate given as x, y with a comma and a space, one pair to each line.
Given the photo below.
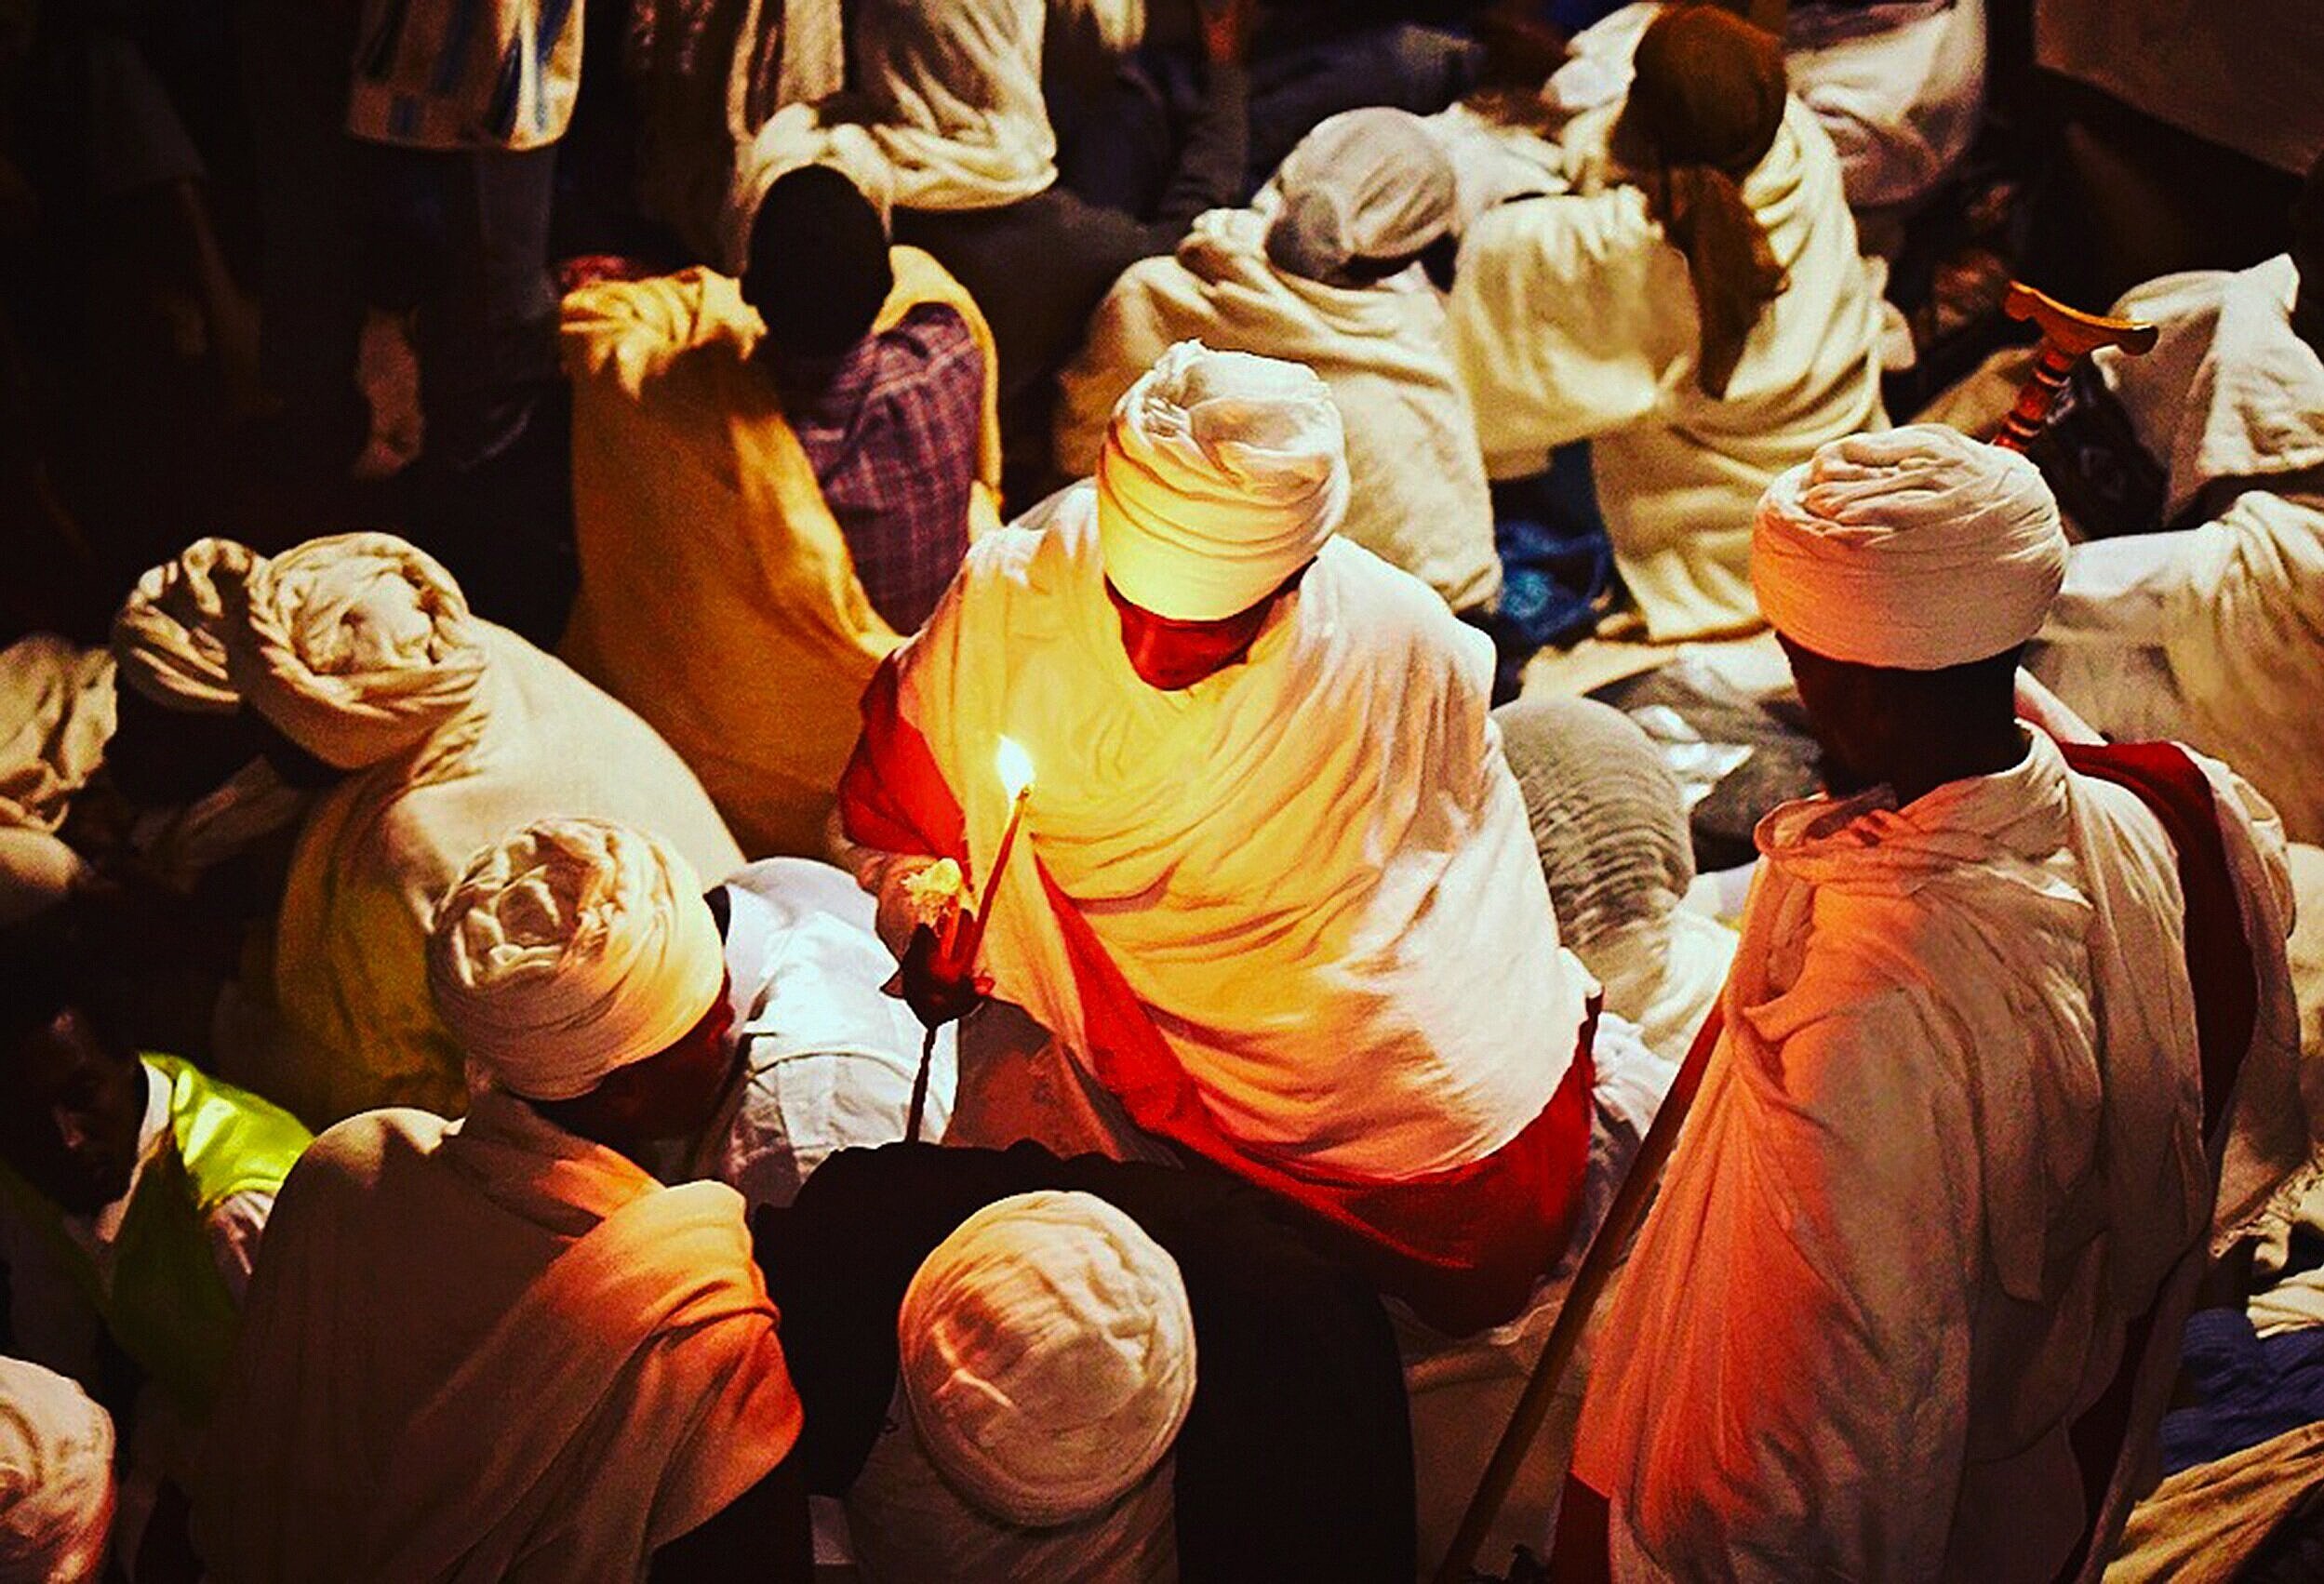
357, 647
55, 1478
166, 635
1371, 183
1915, 549
1222, 474
570, 949
1049, 1356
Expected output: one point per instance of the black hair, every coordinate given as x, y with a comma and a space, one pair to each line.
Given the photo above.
41, 974
818, 270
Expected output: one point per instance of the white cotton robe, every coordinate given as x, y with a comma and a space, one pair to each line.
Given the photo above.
2214, 633
1313, 868
379, 849
489, 1350
1889, 1264
1573, 319
1417, 495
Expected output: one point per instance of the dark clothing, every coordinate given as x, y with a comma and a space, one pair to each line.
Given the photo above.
1039, 267
2252, 1387
892, 435
1295, 1461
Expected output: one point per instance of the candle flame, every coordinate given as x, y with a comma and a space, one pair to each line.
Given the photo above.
1014, 764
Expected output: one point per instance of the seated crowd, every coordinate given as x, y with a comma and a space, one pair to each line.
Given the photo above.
1015, 1002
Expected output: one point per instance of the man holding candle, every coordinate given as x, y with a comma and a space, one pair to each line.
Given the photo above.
1274, 890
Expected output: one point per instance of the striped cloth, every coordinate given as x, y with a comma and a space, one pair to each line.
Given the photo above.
466, 73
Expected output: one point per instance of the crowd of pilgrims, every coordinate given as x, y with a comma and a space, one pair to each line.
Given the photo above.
961, 948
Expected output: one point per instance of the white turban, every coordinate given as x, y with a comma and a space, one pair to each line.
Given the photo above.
357, 647
570, 949
1221, 475
1371, 183
166, 635
1048, 1354
55, 1478
1915, 549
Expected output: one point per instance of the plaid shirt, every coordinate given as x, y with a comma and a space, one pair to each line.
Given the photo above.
892, 438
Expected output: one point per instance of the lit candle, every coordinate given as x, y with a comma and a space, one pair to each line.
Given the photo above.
1015, 768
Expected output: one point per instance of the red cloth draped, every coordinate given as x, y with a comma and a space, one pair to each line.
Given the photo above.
1464, 1246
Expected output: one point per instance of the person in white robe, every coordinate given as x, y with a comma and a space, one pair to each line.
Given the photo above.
2212, 630
1327, 275
1960, 1153
498, 1348
1611, 824
1699, 313
435, 731
1274, 891
826, 1061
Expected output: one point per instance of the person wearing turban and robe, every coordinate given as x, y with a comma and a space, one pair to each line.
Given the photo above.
442, 730
1704, 322
2009, 1053
498, 1348
1330, 279
1275, 894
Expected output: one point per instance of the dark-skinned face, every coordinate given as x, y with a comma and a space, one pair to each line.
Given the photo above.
670, 1095
1169, 655
1848, 721
71, 1105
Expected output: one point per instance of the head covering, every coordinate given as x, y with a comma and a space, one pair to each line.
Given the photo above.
570, 949
1222, 474
960, 118
819, 270
1705, 104
1608, 817
357, 647
55, 1478
1049, 1356
1369, 183
56, 716
166, 635
1916, 548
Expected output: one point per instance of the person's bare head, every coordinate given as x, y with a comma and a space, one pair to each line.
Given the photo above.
819, 270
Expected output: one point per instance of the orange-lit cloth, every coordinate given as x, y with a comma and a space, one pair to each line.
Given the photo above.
1290, 917
489, 1349
718, 597
1892, 1283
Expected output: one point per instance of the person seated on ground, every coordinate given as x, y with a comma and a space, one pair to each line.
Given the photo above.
1612, 828
437, 731
773, 478
56, 714
1930, 1233
1898, 86
1018, 1367
825, 1061
2215, 437
55, 1478
1331, 281
134, 1188
498, 1348
1275, 894
955, 112
1704, 323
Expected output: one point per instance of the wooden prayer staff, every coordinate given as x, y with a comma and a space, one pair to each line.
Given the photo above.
957, 952
2068, 335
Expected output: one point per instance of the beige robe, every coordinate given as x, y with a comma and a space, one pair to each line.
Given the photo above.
488, 1351
379, 850
1573, 319
1416, 482
1889, 1264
